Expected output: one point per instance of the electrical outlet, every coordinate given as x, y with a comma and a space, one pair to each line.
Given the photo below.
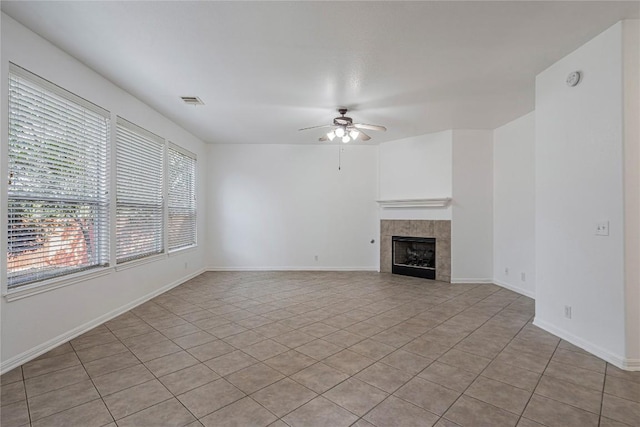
567, 311
602, 228
523, 277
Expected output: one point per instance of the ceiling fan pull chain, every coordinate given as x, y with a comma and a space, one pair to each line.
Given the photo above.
339, 157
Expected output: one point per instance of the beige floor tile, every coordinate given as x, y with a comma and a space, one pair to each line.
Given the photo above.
55, 380
244, 339
180, 331
319, 330
283, 396
254, 377
406, 361
290, 362
244, 412
193, 340
556, 414
59, 350
272, 330
227, 330
144, 340
526, 361
14, 414
173, 362
11, 376
170, 413
585, 361
319, 349
210, 350
132, 331
265, 349
231, 362
349, 362
511, 374
395, 412
427, 395
320, 412
463, 360
608, 422
189, 378
119, 380
61, 399
356, 396
100, 351
384, 377
468, 412
12, 393
48, 365
620, 387
209, 398
625, 375
110, 364
498, 394
343, 338
319, 377
155, 351
91, 414
427, 349
136, 398
621, 410
448, 376
571, 394
372, 349
90, 340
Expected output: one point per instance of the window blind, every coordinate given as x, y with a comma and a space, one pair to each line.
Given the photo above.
139, 201
58, 205
182, 198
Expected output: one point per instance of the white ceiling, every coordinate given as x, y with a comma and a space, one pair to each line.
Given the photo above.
265, 69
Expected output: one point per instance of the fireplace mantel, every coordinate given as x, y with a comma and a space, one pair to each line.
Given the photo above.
414, 203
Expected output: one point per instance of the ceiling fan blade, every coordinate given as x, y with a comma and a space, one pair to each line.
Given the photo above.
323, 138
363, 136
369, 127
317, 127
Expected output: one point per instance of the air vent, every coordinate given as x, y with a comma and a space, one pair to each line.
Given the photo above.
192, 100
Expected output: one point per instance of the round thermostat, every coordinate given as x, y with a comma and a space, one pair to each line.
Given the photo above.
573, 78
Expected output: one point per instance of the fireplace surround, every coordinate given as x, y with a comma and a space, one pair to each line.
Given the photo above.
440, 230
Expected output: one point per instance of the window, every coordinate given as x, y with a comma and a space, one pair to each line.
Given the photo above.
57, 204
139, 201
182, 198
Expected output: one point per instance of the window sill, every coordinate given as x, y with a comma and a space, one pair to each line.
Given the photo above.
55, 283
141, 261
183, 250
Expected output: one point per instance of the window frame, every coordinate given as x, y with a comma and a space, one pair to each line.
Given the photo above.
100, 218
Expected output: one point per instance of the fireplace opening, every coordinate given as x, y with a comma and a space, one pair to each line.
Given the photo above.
414, 256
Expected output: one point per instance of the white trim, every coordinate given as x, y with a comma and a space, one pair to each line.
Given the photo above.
183, 151
140, 261
614, 359
55, 283
214, 268
469, 281
414, 203
521, 291
41, 349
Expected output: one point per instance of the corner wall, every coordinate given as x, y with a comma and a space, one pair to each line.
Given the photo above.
514, 205
472, 207
579, 183
35, 324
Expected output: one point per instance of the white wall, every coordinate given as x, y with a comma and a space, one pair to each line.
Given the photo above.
280, 206
419, 167
579, 182
472, 206
33, 324
514, 205
631, 71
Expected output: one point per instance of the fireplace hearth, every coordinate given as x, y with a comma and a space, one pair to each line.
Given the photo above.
414, 256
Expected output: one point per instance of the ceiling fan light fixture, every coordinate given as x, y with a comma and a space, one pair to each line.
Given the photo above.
354, 134
331, 135
340, 132
346, 139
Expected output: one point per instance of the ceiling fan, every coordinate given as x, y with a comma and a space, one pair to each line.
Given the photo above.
344, 128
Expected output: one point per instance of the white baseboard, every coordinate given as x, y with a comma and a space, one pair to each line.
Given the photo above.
470, 281
308, 268
614, 359
38, 350
521, 291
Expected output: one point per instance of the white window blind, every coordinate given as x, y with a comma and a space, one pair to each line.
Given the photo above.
139, 184
182, 198
58, 205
